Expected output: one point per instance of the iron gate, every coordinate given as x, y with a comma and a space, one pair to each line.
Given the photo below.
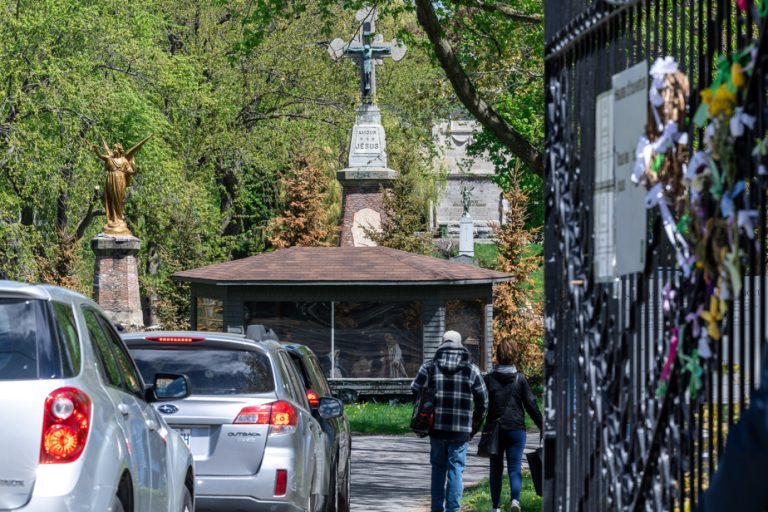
635, 418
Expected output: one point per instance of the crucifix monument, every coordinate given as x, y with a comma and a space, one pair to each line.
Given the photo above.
367, 171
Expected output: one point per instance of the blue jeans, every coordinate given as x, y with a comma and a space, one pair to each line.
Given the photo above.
448, 460
511, 444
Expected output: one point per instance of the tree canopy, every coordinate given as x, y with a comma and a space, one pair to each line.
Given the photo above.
229, 127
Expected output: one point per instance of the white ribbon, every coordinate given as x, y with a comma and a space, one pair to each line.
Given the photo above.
745, 220
667, 139
655, 197
643, 153
739, 121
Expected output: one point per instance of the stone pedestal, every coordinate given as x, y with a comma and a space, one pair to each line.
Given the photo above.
466, 241
466, 237
363, 180
116, 278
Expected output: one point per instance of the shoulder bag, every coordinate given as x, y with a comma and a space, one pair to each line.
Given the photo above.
423, 416
489, 439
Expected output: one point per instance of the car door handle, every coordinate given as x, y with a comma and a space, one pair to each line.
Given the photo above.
123, 408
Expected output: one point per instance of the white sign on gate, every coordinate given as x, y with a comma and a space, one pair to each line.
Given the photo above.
630, 112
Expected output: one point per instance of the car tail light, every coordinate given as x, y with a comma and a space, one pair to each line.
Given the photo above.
174, 339
280, 416
281, 482
313, 398
66, 423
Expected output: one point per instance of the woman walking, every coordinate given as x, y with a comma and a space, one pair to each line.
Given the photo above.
510, 397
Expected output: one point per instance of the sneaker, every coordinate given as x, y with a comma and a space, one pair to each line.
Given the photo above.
515, 507
495, 510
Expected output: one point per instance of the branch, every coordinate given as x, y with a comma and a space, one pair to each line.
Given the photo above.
87, 219
466, 92
508, 12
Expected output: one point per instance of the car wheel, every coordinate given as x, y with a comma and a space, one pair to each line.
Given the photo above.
186, 501
342, 503
332, 497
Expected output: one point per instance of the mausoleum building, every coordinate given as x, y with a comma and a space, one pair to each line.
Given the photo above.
372, 314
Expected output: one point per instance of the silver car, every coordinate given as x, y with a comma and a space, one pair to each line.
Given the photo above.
248, 422
77, 431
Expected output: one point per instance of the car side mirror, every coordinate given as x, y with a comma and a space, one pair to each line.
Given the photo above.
170, 386
330, 408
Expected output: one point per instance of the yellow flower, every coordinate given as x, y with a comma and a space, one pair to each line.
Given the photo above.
737, 75
706, 96
722, 102
712, 317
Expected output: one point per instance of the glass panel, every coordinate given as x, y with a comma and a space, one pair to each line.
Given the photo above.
377, 340
210, 315
131, 379
308, 323
211, 371
19, 338
65, 320
468, 318
109, 368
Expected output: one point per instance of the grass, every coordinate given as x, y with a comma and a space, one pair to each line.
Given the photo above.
486, 255
478, 498
379, 418
395, 419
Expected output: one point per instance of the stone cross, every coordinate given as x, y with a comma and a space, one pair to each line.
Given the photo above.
367, 50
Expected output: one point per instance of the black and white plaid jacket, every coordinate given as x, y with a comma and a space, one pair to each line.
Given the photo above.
462, 398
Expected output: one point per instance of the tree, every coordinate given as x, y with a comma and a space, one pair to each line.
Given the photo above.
487, 50
226, 126
304, 219
518, 315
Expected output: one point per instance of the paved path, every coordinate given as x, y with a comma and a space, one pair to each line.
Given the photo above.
392, 473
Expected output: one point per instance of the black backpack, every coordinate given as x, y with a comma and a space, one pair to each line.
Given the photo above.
423, 416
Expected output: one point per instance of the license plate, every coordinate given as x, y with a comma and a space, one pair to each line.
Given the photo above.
185, 434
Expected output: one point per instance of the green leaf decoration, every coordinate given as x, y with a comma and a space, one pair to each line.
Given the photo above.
702, 115
658, 163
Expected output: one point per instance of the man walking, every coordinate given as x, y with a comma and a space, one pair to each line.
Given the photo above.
461, 402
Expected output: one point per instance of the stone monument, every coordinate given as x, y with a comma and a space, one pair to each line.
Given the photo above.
466, 229
116, 276
487, 207
367, 171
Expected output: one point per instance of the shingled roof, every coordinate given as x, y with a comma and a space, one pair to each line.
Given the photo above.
340, 266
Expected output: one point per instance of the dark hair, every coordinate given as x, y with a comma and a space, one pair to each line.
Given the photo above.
506, 352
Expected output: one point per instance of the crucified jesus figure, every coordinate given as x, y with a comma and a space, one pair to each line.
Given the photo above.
119, 167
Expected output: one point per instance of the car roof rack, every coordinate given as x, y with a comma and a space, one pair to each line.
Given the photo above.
258, 332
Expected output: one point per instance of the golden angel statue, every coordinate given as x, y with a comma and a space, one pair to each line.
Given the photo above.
119, 167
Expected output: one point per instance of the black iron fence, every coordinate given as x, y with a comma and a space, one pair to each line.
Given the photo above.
655, 321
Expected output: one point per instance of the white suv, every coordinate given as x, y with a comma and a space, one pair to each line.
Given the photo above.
77, 432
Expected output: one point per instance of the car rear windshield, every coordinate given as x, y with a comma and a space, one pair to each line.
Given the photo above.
35, 342
211, 371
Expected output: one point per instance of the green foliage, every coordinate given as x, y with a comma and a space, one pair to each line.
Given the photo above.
403, 223
487, 255
499, 45
375, 418
228, 126
478, 498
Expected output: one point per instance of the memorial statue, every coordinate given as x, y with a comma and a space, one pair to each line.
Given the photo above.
119, 167
466, 198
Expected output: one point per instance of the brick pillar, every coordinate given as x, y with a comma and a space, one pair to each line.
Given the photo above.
362, 203
116, 279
